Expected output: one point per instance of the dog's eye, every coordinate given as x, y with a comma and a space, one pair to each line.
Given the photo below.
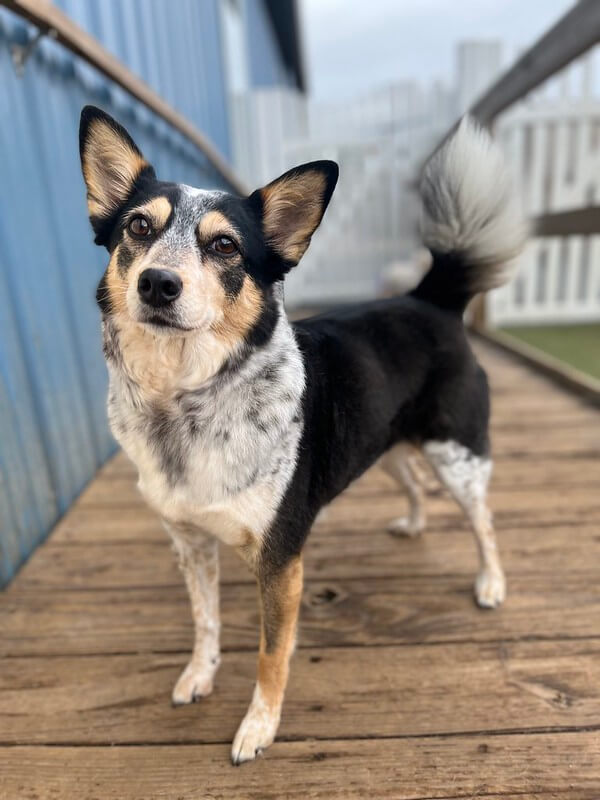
224, 246
139, 227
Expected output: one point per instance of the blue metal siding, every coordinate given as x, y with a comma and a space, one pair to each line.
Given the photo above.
53, 430
266, 67
174, 46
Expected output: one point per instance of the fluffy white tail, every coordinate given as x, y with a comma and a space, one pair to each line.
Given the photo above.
470, 212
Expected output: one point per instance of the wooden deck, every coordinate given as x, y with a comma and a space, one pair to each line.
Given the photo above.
400, 687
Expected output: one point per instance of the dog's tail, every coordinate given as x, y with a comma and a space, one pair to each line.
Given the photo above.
471, 219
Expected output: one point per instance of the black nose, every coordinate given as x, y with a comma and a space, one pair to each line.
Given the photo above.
159, 287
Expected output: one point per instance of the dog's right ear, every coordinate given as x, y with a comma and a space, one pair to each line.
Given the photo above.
112, 165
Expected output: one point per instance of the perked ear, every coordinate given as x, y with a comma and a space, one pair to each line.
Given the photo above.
111, 165
293, 206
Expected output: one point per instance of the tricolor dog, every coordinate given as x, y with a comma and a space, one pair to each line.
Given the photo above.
242, 425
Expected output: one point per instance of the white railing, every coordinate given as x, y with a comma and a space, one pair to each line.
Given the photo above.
552, 141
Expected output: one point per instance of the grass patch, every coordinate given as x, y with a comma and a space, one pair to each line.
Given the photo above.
577, 345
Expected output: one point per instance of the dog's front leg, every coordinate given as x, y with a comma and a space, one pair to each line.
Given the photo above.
280, 595
198, 555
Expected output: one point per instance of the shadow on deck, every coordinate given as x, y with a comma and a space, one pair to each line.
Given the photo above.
400, 686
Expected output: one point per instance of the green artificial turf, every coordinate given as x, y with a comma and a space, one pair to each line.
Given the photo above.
577, 345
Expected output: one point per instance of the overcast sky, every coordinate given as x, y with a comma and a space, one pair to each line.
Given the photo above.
353, 45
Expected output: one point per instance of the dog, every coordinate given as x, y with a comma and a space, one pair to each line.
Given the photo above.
242, 425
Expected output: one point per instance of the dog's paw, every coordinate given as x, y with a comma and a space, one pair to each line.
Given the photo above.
195, 682
404, 526
256, 732
490, 588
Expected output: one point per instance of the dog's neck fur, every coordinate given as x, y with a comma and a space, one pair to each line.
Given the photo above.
173, 405
156, 367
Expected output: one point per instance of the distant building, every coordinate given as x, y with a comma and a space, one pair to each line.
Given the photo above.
478, 64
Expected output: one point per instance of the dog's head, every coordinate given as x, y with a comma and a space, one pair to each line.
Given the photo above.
184, 259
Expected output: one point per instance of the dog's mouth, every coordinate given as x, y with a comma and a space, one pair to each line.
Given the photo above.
162, 321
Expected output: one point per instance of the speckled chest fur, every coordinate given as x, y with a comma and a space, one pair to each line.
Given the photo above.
214, 453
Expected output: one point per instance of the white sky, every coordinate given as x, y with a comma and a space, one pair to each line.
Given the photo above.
353, 45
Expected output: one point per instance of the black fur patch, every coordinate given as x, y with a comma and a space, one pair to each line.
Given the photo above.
125, 257
377, 374
102, 296
232, 280
168, 437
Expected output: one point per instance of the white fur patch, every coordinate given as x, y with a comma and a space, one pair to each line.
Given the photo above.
467, 476
257, 730
198, 557
470, 207
397, 463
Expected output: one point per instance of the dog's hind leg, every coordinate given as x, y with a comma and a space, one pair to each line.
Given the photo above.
466, 476
397, 463
198, 556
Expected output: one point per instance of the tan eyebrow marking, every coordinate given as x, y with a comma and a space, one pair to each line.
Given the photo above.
159, 210
214, 223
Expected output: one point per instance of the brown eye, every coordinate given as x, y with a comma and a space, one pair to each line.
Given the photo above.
139, 227
224, 246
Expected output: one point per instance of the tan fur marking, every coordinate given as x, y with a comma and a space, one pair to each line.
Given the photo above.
158, 209
213, 224
110, 167
116, 286
280, 602
240, 314
292, 212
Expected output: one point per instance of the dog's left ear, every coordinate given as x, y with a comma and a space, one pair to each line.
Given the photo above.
111, 165
293, 206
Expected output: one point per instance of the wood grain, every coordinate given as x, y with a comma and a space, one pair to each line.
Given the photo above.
537, 767
343, 549
400, 686
333, 692
334, 612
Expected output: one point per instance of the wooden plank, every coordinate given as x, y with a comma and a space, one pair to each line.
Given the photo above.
333, 692
575, 222
343, 611
537, 767
562, 374
348, 547
49, 17
113, 524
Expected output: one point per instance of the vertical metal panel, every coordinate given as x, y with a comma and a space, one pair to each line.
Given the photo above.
53, 430
266, 66
174, 47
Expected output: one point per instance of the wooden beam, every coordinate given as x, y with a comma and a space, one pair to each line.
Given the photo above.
47, 17
568, 377
575, 33
576, 222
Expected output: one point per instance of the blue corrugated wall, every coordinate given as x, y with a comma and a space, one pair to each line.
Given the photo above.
53, 431
175, 45
266, 66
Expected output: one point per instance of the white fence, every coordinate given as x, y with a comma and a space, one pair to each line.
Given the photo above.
372, 220
552, 141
